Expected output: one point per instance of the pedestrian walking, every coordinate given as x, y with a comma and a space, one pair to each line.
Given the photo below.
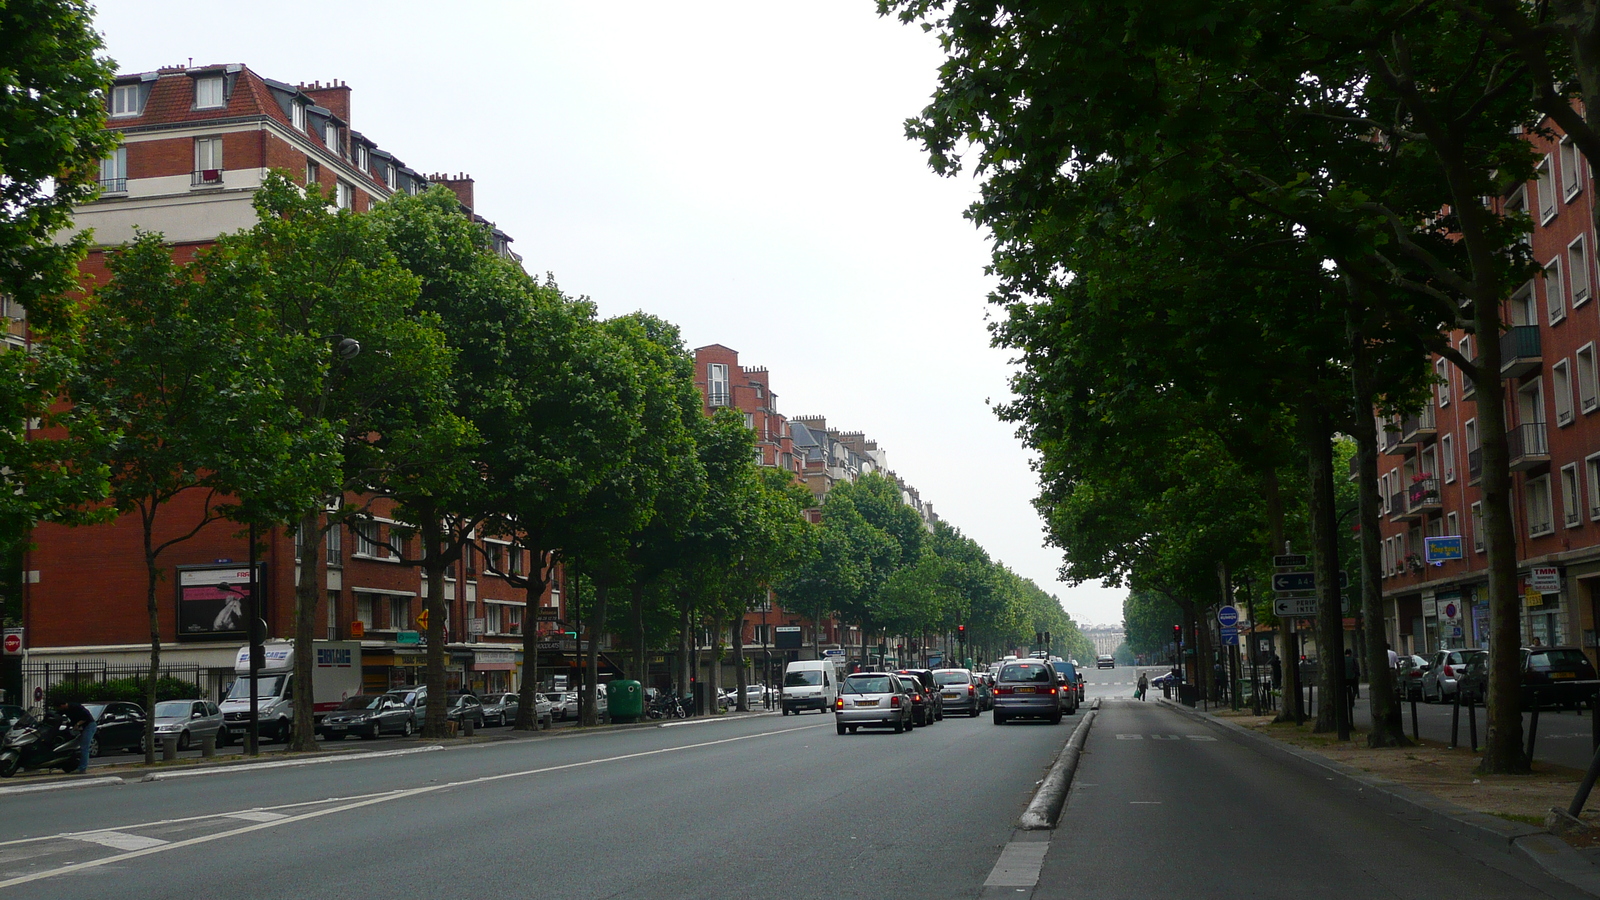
1277, 671
1352, 679
1144, 685
82, 720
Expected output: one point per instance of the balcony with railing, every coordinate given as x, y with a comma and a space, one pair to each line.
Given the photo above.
1527, 445
1419, 428
206, 178
1397, 507
1391, 437
1423, 498
114, 185
1520, 351
718, 396
1474, 466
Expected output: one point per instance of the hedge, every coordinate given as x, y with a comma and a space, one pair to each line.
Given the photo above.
129, 690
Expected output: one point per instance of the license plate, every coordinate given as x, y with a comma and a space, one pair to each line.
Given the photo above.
337, 727
1563, 674
866, 703
951, 696
1024, 690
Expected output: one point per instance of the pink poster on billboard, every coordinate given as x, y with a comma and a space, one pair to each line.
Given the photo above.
213, 602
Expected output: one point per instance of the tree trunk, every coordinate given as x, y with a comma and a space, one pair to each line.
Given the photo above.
308, 585
1316, 435
591, 667
1288, 659
434, 723
541, 563
741, 677
641, 662
714, 679
685, 678
152, 576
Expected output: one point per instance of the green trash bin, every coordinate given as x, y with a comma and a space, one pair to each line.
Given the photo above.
626, 700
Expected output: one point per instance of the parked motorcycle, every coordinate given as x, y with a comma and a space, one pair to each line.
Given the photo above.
32, 745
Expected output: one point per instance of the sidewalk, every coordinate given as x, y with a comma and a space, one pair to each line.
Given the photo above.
1504, 811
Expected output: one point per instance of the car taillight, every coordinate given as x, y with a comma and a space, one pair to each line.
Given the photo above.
1450, 671
838, 703
1002, 690
969, 690
1051, 691
895, 701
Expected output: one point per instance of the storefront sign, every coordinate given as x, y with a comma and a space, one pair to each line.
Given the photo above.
1545, 579
1532, 598
1442, 549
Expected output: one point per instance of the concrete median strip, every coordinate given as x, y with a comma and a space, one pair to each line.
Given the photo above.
284, 764
60, 785
1048, 801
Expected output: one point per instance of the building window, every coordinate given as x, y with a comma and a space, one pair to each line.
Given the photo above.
114, 172
1569, 168
491, 618
366, 538
514, 619
362, 161
1447, 451
1578, 270
1540, 521
1524, 308
1547, 193
388, 175
1561, 384
344, 196
125, 100
331, 137
208, 93
333, 615
1441, 369
364, 611
1555, 297
1477, 527
1591, 467
1588, 391
1452, 525
313, 172
514, 559
717, 392
297, 115
1571, 502
400, 613
1467, 387
207, 160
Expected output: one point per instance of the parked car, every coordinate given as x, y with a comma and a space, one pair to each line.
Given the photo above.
464, 706
190, 720
563, 705
1408, 677
1027, 687
1106, 662
872, 700
368, 715
958, 690
119, 725
415, 698
1439, 679
754, 696
500, 708
1170, 677
1549, 675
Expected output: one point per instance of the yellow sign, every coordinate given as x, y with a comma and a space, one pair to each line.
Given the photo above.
358, 628
422, 620
1532, 598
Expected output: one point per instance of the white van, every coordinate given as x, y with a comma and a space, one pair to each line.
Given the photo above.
809, 684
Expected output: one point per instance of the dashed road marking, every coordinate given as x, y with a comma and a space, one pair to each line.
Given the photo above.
118, 840
257, 815
1166, 737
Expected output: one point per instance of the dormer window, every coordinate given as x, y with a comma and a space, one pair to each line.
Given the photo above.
208, 93
388, 175
125, 100
331, 138
362, 161
297, 115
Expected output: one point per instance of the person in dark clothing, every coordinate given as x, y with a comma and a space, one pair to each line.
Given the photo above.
1352, 679
1277, 671
81, 720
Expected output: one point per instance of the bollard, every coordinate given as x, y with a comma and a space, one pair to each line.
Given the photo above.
1455, 720
208, 745
169, 747
1415, 735
467, 724
1311, 701
1472, 720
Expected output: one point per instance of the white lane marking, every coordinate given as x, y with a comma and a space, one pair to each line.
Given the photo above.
1130, 737
1199, 737
60, 785
381, 798
256, 815
1144, 802
185, 819
1163, 737
1019, 865
120, 840
286, 764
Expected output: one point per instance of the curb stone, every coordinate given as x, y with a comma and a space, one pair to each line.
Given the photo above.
60, 785
1048, 801
1556, 857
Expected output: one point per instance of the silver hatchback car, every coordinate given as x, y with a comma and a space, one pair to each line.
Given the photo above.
958, 688
1027, 687
872, 700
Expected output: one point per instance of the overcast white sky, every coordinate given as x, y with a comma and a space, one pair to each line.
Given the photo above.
738, 168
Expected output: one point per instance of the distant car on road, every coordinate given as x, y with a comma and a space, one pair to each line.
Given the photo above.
1106, 662
1408, 677
1549, 677
1165, 678
1439, 681
958, 688
1028, 688
872, 700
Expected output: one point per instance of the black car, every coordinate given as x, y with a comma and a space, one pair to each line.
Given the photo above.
117, 725
464, 706
1551, 676
928, 706
367, 715
1408, 677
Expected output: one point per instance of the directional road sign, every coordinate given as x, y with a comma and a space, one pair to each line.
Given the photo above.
1295, 607
1291, 561
422, 620
1294, 581
1230, 636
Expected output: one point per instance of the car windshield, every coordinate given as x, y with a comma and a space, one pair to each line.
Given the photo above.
1551, 659
1025, 673
266, 686
174, 709
869, 684
951, 678
361, 701
802, 678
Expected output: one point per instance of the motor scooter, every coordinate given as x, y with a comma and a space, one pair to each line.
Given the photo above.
32, 745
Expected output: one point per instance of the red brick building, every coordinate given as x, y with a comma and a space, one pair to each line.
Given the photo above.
197, 143
1431, 464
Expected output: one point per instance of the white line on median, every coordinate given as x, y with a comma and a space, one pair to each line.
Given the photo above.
1019, 865
60, 785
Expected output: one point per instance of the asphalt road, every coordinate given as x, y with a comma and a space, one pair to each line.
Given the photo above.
1166, 806
744, 807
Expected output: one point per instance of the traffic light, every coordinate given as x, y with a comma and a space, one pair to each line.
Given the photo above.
961, 634
1177, 634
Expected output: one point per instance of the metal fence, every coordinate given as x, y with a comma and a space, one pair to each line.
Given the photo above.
38, 677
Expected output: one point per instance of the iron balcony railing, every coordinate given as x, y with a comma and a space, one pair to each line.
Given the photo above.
1419, 426
1527, 445
1424, 495
1519, 350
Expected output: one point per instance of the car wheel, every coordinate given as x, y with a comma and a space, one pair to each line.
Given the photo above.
972, 713
999, 717
1056, 719
9, 762
285, 730
406, 729
839, 727
900, 725
183, 740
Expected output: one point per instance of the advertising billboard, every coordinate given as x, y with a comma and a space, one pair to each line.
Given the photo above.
213, 600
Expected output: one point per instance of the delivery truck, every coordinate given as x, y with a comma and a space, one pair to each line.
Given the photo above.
335, 676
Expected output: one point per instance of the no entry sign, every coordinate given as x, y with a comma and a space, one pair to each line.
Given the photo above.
12, 642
